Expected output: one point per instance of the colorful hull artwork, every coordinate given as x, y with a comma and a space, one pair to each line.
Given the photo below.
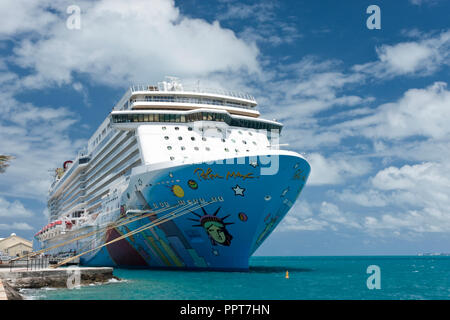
240, 209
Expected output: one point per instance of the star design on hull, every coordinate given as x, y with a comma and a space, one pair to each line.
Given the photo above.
238, 191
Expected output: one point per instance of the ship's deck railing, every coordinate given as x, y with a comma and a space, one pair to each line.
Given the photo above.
194, 101
195, 89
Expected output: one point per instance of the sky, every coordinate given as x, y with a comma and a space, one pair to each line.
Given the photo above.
369, 108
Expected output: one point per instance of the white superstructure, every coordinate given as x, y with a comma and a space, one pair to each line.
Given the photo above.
148, 127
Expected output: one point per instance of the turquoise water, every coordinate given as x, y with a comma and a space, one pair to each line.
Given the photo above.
309, 278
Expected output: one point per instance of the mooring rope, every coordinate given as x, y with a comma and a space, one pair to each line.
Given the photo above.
88, 244
150, 225
119, 223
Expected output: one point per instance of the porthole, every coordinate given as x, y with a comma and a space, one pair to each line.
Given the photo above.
250, 133
240, 132
196, 148
223, 140
166, 137
177, 128
169, 148
226, 150
237, 150
267, 198
164, 128
183, 148
193, 138
203, 138
254, 143
207, 149
172, 158
190, 128
232, 140
180, 138
244, 142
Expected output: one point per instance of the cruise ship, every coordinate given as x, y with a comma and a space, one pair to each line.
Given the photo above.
175, 177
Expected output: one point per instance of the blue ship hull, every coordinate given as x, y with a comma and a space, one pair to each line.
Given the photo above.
228, 210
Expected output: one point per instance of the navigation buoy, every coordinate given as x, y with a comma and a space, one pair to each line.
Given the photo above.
287, 274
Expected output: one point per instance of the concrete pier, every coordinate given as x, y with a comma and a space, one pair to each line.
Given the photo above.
21, 278
2, 292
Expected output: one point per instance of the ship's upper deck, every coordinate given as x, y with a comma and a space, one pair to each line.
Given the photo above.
172, 95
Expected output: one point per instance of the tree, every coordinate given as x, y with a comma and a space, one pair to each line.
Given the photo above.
4, 162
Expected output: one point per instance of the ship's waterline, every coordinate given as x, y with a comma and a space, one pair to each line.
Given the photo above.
144, 187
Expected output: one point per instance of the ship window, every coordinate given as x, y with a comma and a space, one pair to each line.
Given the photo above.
172, 158
254, 143
223, 140
207, 148
198, 116
203, 138
180, 138
232, 140
177, 128
169, 148
226, 149
164, 128
196, 148
183, 148
166, 137
244, 142
193, 138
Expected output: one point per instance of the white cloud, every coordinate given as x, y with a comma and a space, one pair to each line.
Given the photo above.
301, 218
261, 22
420, 57
16, 226
324, 216
134, 41
335, 170
38, 139
20, 16
421, 112
419, 196
421, 2
13, 209
369, 198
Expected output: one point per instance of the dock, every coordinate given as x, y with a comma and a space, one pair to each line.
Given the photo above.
2, 292
14, 279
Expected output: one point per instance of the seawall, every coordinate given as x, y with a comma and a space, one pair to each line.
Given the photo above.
16, 279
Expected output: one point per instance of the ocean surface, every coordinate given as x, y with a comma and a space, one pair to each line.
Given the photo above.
401, 277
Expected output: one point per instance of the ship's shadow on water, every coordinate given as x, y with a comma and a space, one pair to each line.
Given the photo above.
276, 269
